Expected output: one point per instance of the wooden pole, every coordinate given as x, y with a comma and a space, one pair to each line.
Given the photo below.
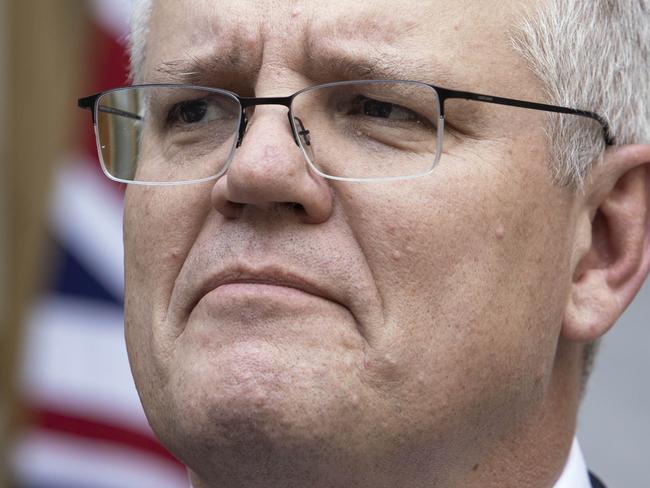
42, 78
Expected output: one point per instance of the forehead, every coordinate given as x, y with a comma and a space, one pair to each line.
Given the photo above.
463, 43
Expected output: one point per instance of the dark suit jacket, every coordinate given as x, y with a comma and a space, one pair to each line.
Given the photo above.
595, 482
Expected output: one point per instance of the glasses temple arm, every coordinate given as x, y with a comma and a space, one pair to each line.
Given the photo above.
88, 103
446, 93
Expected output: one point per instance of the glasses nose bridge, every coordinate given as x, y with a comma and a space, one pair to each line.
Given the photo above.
248, 102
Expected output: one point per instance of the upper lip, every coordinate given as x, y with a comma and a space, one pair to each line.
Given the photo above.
269, 275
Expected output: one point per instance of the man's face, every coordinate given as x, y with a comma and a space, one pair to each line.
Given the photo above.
373, 327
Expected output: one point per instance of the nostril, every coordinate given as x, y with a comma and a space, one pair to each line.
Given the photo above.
289, 207
297, 207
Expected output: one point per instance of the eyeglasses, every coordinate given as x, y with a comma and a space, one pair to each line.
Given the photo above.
165, 134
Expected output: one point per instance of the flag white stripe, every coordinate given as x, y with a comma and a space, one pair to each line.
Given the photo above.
75, 361
113, 15
44, 458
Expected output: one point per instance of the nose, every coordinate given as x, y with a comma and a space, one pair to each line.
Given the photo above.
269, 172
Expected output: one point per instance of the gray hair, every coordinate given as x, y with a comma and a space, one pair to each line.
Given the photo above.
593, 55
137, 39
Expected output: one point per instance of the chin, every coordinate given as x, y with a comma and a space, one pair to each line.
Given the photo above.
250, 399
231, 435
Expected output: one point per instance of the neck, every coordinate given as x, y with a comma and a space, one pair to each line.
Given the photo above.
534, 453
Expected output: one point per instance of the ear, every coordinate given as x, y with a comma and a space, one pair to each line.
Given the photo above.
611, 256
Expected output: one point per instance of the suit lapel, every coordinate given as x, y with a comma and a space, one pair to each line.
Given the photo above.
595, 482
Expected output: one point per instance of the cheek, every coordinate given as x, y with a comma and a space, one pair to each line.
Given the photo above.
160, 227
472, 276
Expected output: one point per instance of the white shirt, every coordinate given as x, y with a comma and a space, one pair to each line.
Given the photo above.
574, 474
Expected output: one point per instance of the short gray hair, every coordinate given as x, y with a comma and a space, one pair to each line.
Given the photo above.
593, 55
137, 39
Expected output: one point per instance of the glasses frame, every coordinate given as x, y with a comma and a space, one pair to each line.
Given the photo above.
92, 103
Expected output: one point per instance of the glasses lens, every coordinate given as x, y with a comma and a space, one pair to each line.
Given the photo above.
373, 129
162, 134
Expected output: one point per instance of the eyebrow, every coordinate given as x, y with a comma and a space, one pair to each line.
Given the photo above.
342, 64
196, 70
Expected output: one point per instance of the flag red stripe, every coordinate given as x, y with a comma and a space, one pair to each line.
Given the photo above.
93, 429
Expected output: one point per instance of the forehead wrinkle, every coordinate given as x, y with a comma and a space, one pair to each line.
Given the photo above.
373, 61
369, 26
216, 47
370, 47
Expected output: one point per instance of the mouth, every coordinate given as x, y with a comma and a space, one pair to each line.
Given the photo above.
261, 281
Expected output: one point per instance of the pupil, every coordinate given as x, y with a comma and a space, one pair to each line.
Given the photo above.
193, 112
374, 108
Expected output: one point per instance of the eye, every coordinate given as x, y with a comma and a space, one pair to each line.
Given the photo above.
385, 110
192, 112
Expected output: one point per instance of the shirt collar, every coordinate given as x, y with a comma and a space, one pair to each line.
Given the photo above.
575, 471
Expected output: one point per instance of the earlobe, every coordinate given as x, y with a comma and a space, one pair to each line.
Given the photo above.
612, 245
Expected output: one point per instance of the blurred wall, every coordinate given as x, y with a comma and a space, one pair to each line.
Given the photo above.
42, 43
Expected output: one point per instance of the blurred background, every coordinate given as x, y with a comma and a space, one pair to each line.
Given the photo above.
69, 413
